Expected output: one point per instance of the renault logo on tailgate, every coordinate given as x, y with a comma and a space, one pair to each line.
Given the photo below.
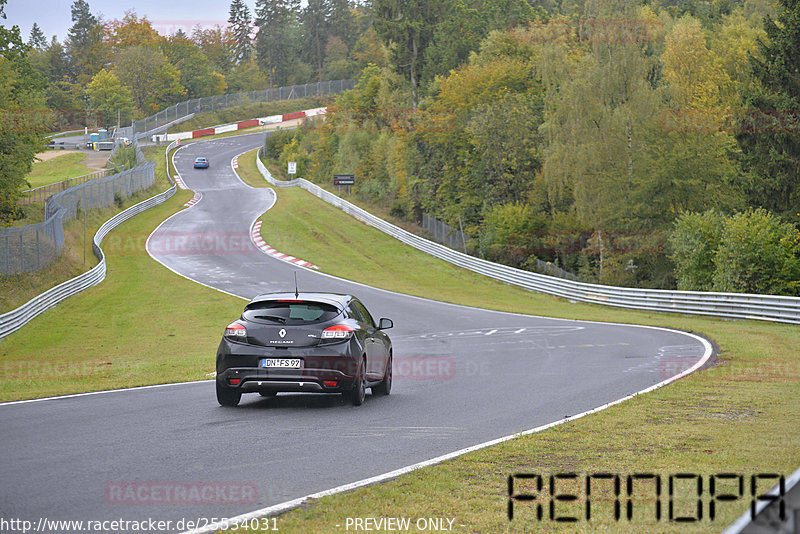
282, 332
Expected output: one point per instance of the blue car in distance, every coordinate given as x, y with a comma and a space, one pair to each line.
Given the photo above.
201, 163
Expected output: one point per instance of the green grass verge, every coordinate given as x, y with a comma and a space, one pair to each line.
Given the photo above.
93, 350
18, 289
125, 332
248, 171
739, 416
58, 169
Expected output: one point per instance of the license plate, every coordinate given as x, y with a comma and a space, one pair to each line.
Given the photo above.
281, 363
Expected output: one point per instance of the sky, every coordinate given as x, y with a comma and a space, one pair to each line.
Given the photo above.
54, 17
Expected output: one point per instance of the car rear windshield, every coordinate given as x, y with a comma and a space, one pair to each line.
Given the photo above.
290, 312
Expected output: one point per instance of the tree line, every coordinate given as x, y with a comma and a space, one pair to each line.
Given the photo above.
651, 144
640, 144
107, 72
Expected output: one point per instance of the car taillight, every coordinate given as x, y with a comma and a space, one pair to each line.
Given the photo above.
236, 331
339, 331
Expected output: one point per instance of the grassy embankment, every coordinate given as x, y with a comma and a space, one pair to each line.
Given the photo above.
739, 416
17, 289
58, 169
126, 331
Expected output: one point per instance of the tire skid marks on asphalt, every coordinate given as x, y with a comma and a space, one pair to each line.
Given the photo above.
512, 338
255, 235
496, 331
667, 356
404, 432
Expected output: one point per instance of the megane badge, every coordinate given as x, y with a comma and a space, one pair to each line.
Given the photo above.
282, 332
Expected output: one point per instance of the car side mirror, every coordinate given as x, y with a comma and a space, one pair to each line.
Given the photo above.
385, 324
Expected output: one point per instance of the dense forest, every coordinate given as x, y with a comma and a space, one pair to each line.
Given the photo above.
649, 143
107, 72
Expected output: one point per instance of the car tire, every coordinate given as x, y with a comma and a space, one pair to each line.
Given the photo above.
228, 396
359, 391
385, 387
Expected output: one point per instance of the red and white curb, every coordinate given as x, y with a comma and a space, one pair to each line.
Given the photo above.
179, 181
255, 235
236, 162
195, 199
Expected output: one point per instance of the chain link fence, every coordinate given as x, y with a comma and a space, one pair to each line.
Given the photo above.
144, 127
551, 269
101, 192
38, 194
447, 235
32, 247
444, 233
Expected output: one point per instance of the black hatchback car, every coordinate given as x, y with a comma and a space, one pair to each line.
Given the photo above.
306, 342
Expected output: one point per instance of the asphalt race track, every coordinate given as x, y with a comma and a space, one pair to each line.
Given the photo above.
463, 376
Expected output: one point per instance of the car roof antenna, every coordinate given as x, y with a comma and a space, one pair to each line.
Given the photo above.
296, 292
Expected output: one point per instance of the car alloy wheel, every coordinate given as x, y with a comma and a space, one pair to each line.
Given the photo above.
359, 391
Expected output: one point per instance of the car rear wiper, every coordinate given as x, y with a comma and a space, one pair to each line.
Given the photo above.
276, 318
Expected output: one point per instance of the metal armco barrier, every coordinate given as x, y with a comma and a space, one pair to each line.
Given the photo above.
16, 319
182, 110
32, 247
778, 513
730, 305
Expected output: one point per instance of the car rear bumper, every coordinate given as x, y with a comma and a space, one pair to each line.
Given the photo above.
285, 385
239, 366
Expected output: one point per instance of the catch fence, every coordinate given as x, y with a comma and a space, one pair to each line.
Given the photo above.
177, 112
32, 247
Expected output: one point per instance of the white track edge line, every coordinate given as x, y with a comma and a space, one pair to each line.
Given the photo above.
252, 224
147, 242
88, 393
290, 505
362, 285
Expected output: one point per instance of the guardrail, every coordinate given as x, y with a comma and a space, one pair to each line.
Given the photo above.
16, 319
166, 156
777, 511
730, 305
149, 133
143, 127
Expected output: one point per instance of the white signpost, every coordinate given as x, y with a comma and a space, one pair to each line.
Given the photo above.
292, 167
